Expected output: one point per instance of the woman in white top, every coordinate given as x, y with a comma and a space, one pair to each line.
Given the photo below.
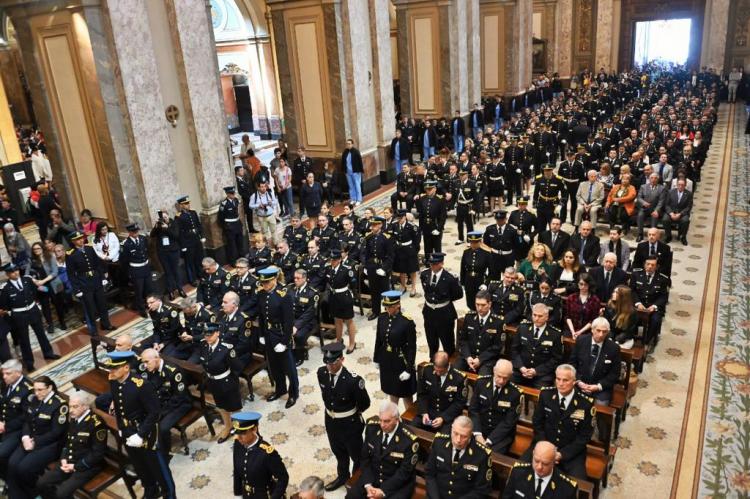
106, 244
681, 175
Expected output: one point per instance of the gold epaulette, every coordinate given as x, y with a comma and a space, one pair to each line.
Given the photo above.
266, 447
442, 435
520, 464
568, 479
137, 381
373, 420
408, 433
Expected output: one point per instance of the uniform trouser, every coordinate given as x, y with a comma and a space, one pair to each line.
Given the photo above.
569, 193
9, 443
537, 382
682, 225
300, 341
25, 467
56, 484
282, 367
498, 264
377, 284
153, 471
432, 243
193, 256
170, 262
235, 242
93, 302
471, 287
645, 217
249, 217
398, 201
143, 286
512, 185
654, 327
439, 326
484, 369
545, 211
167, 422
21, 322
345, 439
464, 217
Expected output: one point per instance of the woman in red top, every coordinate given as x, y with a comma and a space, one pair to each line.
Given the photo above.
582, 307
87, 224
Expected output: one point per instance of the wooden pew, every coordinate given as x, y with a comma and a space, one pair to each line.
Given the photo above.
117, 462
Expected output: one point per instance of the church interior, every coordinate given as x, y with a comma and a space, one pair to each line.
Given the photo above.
183, 154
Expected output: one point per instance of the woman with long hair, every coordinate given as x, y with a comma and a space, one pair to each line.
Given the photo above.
622, 317
564, 273
582, 307
42, 269
538, 263
107, 247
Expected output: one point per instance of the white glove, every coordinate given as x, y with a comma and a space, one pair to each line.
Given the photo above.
262, 340
483, 287
79, 294
526, 238
203, 239
435, 232
279, 348
134, 440
365, 271
104, 282
404, 376
183, 250
380, 272
518, 170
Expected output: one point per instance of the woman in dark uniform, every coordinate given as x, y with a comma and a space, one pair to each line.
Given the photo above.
219, 362
396, 350
341, 279
406, 238
42, 438
495, 172
545, 295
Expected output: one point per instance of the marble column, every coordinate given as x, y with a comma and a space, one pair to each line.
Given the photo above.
604, 35
564, 37
9, 151
715, 26
519, 42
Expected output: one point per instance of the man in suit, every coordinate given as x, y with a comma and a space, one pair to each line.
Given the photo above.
596, 358
615, 245
650, 293
607, 277
458, 132
351, 161
586, 244
540, 478
652, 246
555, 239
664, 169
428, 140
477, 120
590, 197
677, 208
649, 202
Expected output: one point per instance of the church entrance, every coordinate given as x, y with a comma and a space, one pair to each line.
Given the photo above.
664, 40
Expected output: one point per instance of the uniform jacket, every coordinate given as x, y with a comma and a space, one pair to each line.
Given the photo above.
46, 421
259, 472
544, 354
86, 443
522, 483
469, 478
487, 342
390, 468
495, 415
569, 430
446, 400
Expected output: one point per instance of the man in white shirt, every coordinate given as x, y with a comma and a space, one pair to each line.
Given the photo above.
533, 479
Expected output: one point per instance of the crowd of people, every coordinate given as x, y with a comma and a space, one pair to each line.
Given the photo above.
626, 149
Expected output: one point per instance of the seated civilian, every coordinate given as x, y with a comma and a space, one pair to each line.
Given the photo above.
607, 277
677, 208
622, 317
596, 358
581, 308
564, 274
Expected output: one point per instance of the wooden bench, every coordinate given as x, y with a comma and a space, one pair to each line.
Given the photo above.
111, 472
256, 365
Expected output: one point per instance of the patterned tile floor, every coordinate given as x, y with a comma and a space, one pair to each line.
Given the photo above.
649, 437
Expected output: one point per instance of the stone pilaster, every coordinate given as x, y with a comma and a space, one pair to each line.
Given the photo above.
604, 35
519, 65
715, 25
564, 37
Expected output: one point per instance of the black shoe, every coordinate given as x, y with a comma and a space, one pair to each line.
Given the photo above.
275, 396
299, 362
181, 293
143, 314
109, 327
683, 240
52, 356
221, 440
331, 486
290, 402
349, 352
639, 238
371, 317
668, 239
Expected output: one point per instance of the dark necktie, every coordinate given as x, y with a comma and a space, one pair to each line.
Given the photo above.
580, 253
333, 380
385, 440
653, 249
594, 356
434, 279
456, 453
606, 279
538, 490
562, 404
536, 333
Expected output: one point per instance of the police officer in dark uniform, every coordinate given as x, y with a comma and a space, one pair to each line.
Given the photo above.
219, 361
564, 416
326, 235
15, 393
377, 257
496, 404
475, 262
341, 282
86, 276
650, 294
547, 190
441, 289
314, 264
260, 255
137, 411
572, 173
166, 233
525, 223
300, 168
481, 339
507, 297
196, 317
297, 235
514, 160
213, 284
42, 438
389, 455
245, 189
82, 456
396, 350
406, 240
540, 478
229, 219
501, 239
191, 238
404, 186
432, 215
258, 471
236, 328
350, 238
165, 318
18, 300
537, 348
441, 395
458, 465
305, 313
242, 282
134, 256
172, 391
345, 398
274, 308
465, 202
286, 260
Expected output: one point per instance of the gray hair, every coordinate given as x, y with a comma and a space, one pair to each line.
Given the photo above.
12, 365
82, 397
312, 484
233, 297
463, 422
208, 261
301, 273
242, 261
566, 367
600, 322
510, 270
387, 406
539, 308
